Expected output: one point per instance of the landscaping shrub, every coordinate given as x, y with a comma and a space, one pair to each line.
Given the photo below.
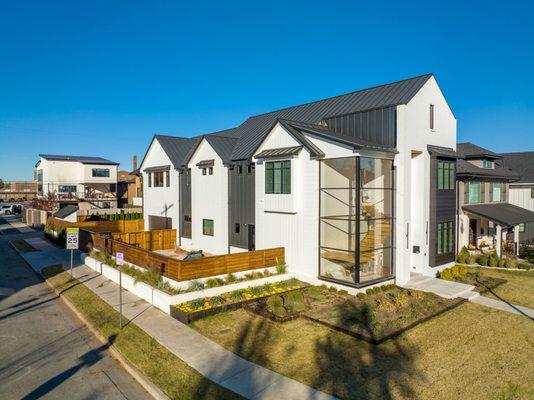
463, 256
214, 282
483, 260
457, 271
196, 285
494, 260
510, 263
361, 296
275, 305
281, 268
502, 263
316, 293
237, 295
524, 266
294, 301
230, 278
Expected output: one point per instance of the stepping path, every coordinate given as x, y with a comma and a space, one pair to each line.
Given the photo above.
450, 290
210, 359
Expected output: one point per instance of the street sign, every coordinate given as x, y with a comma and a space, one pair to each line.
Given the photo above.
72, 238
119, 257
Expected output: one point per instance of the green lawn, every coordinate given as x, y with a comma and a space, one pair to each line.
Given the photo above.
166, 370
519, 288
471, 352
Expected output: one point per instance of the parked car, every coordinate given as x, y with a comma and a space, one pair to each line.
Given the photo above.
16, 209
6, 209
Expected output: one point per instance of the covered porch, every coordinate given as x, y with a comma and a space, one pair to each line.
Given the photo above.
494, 226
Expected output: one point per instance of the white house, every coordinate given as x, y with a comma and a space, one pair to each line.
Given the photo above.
347, 185
78, 179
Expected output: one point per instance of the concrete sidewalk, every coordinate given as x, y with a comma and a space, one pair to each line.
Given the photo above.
503, 306
211, 360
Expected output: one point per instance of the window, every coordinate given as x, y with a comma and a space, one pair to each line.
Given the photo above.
532, 193
168, 178
158, 178
446, 175
497, 192
278, 177
112, 187
67, 188
356, 219
487, 164
521, 227
203, 171
207, 227
237, 228
40, 180
445, 238
210, 170
432, 116
474, 192
149, 179
239, 169
250, 168
100, 172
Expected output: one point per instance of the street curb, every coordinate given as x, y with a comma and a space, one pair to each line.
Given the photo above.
151, 388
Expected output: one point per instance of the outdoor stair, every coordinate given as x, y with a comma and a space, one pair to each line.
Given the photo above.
441, 287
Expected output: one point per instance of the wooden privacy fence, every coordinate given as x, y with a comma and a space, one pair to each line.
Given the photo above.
149, 240
135, 225
183, 270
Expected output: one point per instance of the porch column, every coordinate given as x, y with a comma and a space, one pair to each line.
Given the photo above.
498, 231
516, 239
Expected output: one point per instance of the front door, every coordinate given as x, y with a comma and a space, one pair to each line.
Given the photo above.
473, 232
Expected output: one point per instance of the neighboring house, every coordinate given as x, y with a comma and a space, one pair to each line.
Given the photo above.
130, 187
521, 192
68, 213
78, 179
347, 185
18, 191
486, 219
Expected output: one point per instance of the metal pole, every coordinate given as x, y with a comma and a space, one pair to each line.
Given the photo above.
120, 296
71, 257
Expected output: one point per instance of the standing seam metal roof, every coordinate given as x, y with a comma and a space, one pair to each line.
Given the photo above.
253, 130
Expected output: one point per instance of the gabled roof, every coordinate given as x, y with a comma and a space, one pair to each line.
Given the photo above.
522, 163
66, 211
467, 171
223, 146
176, 148
80, 159
469, 150
254, 130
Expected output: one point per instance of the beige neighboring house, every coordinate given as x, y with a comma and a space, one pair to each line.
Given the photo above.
130, 187
87, 182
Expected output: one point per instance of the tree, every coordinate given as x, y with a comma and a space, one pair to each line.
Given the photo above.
46, 203
2, 184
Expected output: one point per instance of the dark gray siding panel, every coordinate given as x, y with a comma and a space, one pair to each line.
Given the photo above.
240, 203
442, 209
185, 204
527, 237
375, 126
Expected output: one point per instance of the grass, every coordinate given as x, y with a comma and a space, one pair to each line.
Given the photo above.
470, 352
172, 375
519, 288
23, 246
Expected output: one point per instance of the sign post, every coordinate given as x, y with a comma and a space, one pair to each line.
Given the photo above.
72, 243
119, 257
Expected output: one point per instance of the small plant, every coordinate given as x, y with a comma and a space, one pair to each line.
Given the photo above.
249, 277
494, 260
511, 263
361, 296
197, 304
255, 290
332, 289
214, 282
275, 305
502, 263
230, 278
266, 272
400, 299
472, 259
343, 292
524, 266
237, 295
196, 285
294, 301
281, 268
217, 301
315, 292
483, 260
463, 256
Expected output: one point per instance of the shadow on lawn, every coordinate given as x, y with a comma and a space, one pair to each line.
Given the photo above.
340, 364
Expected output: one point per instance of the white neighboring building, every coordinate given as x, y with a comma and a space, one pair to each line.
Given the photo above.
77, 179
347, 185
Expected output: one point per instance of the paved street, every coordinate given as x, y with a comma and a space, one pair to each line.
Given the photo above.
45, 351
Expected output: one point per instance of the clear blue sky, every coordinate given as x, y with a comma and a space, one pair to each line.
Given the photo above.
102, 77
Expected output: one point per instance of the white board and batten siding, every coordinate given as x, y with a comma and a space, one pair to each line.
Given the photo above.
160, 201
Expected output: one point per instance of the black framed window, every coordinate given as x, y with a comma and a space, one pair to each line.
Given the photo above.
278, 177
356, 219
446, 175
210, 170
149, 179
207, 227
445, 237
203, 171
67, 188
100, 173
239, 169
237, 228
168, 178
158, 178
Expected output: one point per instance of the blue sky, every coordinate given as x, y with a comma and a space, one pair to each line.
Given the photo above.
102, 77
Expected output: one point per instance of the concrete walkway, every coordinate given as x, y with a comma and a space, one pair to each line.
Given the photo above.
211, 360
503, 306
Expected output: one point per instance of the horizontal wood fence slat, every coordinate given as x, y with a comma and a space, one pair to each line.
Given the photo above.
134, 225
183, 270
149, 240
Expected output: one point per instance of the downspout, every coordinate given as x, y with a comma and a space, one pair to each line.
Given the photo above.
229, 198
180, 178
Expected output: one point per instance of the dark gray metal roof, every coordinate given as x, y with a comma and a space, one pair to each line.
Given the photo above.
253, 130
324, 132
501, 213
467, 171
206, 163
280, 152
470, 150
522, 163
442, 151
223, 145
158, 168
80, 159
176, 148
66, 211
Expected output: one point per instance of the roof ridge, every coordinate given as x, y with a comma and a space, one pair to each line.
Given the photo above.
341, 95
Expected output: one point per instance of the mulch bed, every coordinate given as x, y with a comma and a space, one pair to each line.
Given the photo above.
375, 318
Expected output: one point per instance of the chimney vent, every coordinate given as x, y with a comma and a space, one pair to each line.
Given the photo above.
134, 162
